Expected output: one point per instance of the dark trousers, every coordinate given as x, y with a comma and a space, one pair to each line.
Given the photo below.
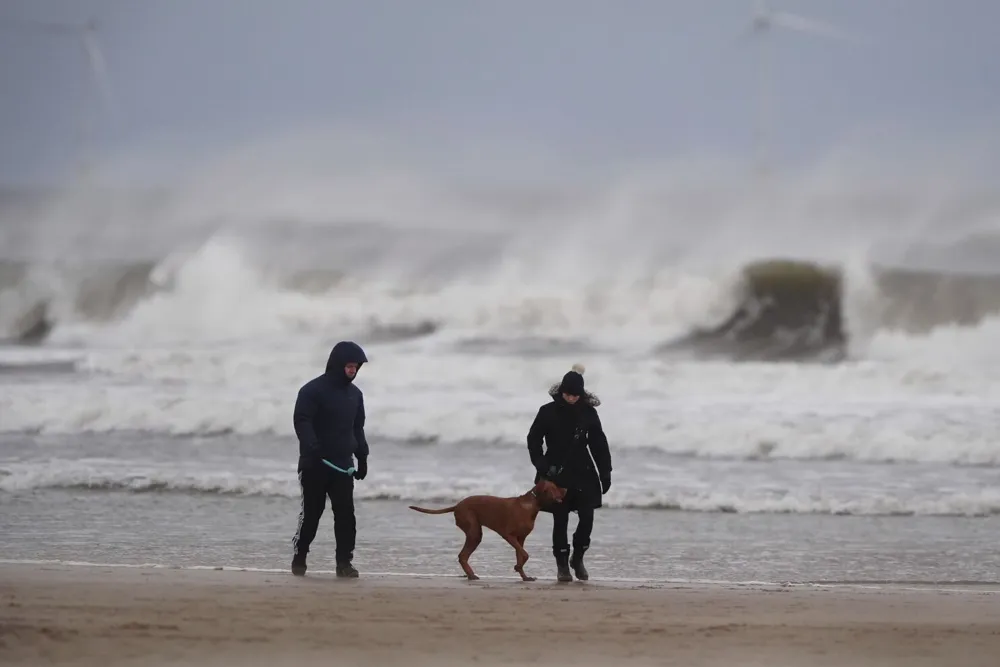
316, 485
560, 530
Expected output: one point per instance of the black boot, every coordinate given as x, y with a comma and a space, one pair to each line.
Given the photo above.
562, 564
577, 562
299, 564
346, 570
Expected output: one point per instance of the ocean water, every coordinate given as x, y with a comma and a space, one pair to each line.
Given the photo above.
845, 429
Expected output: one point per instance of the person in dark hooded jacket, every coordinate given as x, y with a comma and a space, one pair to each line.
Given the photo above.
329, 421
577, 458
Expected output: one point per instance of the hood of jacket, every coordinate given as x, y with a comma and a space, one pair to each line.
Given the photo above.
343, 353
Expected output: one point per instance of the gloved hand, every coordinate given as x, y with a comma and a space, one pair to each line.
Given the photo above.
551, 473
362, 469
605, 483
313, 462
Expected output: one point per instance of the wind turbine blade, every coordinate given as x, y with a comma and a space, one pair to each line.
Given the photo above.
803, 24
99, 69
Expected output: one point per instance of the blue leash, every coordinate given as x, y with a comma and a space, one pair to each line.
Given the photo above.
349, 471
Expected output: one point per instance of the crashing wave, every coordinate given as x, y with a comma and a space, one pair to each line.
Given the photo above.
786, 309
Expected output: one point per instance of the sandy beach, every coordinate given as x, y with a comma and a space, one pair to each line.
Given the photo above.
72, 615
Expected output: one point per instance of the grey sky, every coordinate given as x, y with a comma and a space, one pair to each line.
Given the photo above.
612, 78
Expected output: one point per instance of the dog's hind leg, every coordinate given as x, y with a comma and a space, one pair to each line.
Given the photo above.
473, 536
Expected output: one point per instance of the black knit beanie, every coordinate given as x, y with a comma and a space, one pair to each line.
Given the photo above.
572, 382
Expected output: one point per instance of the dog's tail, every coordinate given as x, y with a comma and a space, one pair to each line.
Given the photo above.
443, 510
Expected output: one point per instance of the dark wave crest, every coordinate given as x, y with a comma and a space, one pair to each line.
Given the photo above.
786, 310
97, 291
794, 310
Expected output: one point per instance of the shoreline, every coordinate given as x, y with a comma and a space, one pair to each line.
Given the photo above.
969, 587
89, 615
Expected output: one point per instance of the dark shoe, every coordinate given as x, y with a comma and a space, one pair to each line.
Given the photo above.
562, 566
577, 562
347, 570
299, 565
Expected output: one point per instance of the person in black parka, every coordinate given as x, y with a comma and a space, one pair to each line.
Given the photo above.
577, 458
329, 420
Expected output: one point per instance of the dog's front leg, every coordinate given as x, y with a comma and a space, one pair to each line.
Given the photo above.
522, 556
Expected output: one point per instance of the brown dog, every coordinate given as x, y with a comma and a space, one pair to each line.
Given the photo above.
511, 518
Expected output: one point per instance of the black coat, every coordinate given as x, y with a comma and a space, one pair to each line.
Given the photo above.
576, 454
329, 415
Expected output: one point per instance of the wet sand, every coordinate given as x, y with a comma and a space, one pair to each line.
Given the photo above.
72, 615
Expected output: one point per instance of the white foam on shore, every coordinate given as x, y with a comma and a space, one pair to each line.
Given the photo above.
446, 475
976, 588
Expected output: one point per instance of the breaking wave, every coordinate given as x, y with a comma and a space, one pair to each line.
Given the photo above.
688, 256
778, 309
